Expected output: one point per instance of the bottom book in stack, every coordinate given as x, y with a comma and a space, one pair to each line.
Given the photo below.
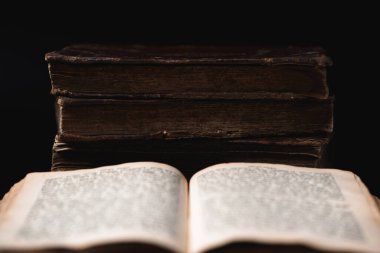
190, 155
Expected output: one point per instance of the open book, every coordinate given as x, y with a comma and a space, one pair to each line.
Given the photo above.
224, 207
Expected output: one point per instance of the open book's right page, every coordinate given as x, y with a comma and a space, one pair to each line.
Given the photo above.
325, 209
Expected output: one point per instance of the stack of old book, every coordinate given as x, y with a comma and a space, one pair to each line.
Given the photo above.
190, 106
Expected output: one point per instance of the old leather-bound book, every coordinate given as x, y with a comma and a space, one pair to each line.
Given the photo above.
189, 72
82, 119
190, 155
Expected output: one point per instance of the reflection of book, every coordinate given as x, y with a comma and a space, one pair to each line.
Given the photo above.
140, 205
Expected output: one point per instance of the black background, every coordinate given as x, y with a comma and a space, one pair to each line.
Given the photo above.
347, 33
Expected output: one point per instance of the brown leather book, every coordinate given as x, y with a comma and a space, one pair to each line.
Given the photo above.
85, 119
138, 71
189, 155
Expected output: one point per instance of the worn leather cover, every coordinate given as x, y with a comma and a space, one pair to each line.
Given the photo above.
189, 72
188, 155
85, 119
186, 54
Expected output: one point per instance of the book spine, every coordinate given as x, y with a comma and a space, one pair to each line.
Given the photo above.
188, 81
180, 119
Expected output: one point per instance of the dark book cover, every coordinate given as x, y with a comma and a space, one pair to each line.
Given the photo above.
138, 71
81, 119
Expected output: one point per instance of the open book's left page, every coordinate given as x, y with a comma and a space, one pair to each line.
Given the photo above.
136, 202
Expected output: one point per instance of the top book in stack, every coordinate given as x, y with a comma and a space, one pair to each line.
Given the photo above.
189, 72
